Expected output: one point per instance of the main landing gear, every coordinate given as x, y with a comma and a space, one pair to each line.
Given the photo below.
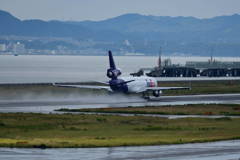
146, 94
156, 93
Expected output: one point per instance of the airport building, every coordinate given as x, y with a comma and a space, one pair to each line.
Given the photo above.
18, 48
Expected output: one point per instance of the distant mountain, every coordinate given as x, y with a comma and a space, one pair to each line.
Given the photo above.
13, 26
145, 33
224, 28
10, 25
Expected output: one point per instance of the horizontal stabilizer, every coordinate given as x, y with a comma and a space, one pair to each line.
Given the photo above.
125, 82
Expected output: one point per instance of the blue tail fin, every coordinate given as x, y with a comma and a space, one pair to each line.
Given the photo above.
111, 60
112, 72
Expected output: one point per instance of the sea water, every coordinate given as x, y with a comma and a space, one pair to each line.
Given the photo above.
39, 68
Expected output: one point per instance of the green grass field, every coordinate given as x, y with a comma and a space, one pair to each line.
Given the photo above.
189, 109
67, 130
203, 87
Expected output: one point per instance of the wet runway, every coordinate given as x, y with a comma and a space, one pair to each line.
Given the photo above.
223, 150
47, 106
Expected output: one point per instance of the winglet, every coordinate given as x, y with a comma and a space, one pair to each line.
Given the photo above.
111, 61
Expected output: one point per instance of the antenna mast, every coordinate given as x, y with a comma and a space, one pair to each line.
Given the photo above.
160, 58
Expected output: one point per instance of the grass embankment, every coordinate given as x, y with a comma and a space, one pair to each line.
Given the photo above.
189, 109
67, 130
203, 87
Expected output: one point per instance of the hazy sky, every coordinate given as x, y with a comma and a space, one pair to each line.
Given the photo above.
102, 9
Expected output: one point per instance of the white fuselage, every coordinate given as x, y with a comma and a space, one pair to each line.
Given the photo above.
140, 83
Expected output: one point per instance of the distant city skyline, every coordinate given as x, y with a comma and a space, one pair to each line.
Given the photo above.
79, 10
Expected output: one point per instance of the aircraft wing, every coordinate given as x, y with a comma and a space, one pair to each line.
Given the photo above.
101, 82
166, 88
86, 86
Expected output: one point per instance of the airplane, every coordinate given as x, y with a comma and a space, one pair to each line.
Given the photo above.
127, 85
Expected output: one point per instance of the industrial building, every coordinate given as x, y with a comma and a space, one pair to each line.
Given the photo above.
210, 68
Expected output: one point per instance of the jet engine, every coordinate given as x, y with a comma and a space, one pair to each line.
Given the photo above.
113, 73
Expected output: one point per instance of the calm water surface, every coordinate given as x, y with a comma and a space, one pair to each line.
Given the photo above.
27, 69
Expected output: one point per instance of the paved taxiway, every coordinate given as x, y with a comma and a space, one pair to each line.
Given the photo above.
46, 106
223, 150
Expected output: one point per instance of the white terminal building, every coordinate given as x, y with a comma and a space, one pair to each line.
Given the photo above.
18, 48
3, 47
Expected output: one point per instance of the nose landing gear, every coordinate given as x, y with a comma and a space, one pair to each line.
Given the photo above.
146, 95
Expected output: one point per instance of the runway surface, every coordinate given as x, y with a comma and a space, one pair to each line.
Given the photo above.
223, 150
47, 106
